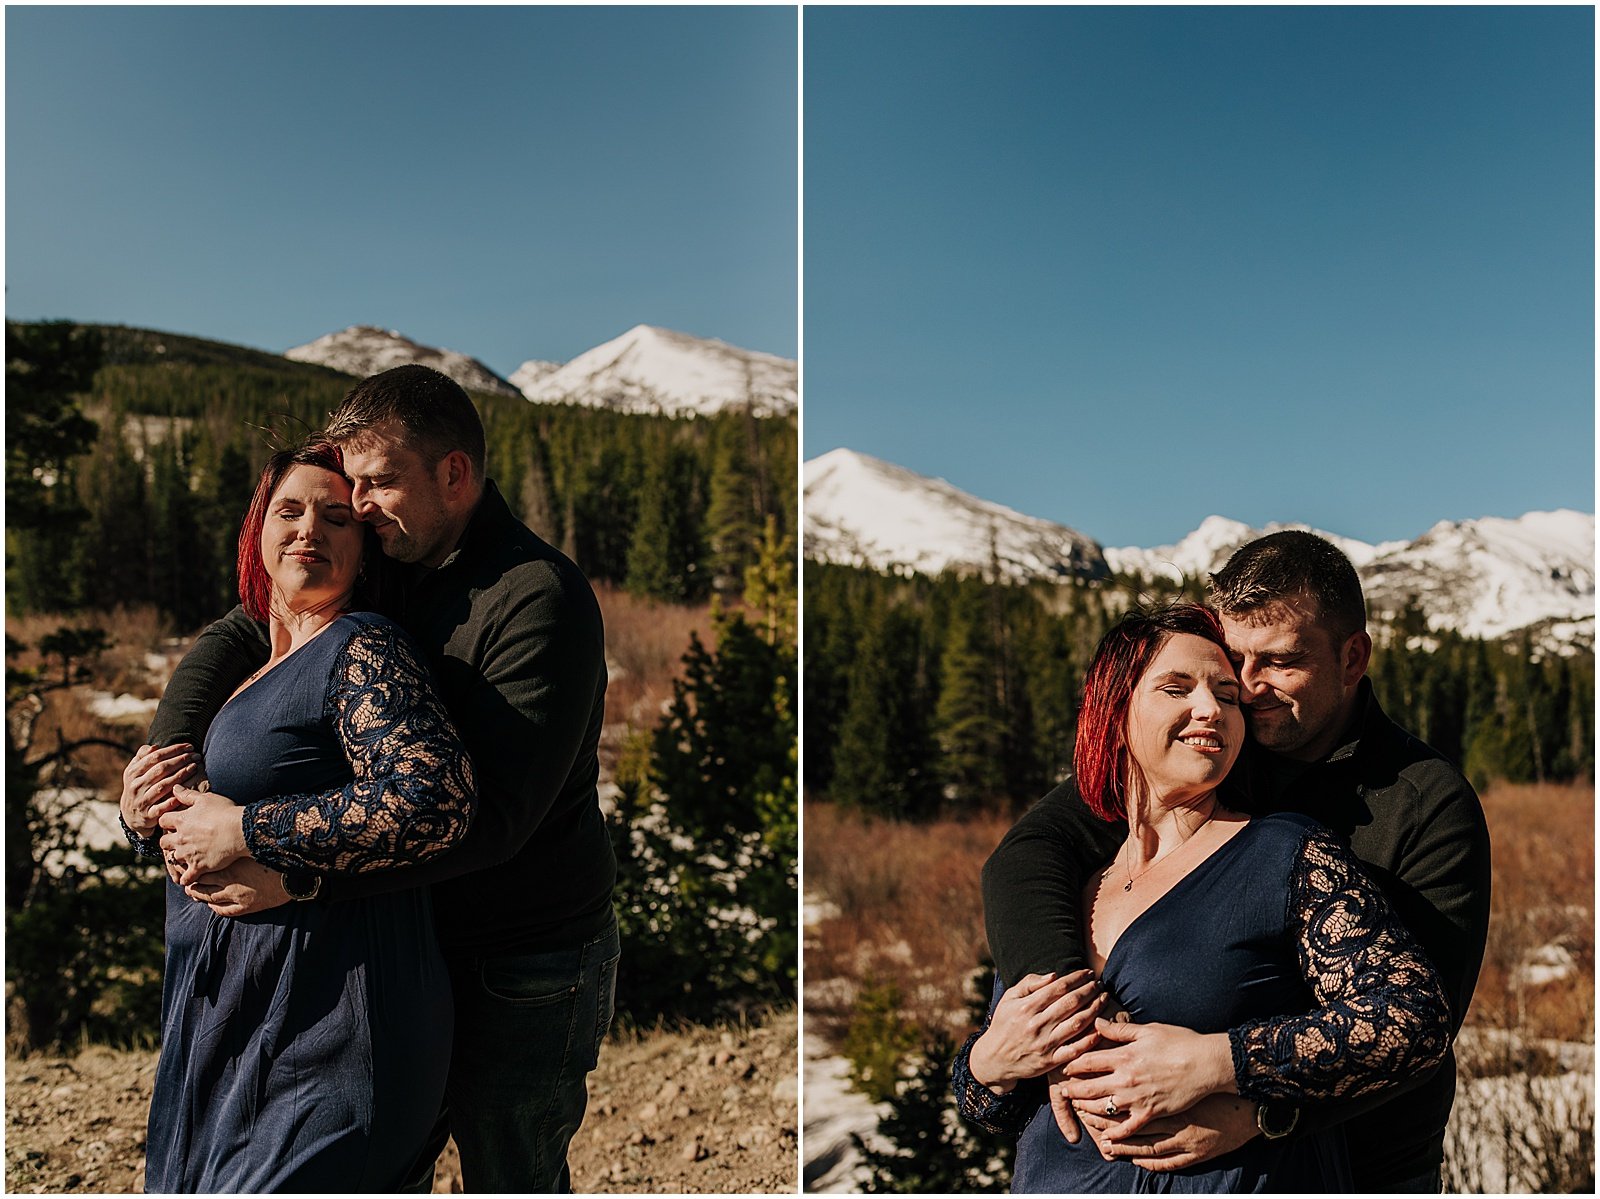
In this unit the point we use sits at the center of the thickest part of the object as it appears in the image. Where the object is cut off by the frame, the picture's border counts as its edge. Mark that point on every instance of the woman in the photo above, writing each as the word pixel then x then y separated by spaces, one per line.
pixel 1257 951
pixel 304 1048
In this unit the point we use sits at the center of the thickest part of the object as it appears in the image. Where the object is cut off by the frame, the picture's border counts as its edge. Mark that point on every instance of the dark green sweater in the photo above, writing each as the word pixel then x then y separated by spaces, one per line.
pixel 1406 813
pixel 513 636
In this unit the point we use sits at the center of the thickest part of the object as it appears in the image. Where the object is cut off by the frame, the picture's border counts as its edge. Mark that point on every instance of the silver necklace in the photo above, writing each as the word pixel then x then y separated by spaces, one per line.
pixel 1133 878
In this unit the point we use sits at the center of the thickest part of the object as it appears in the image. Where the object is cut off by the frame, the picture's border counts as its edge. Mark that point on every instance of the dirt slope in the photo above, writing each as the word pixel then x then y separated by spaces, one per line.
pixel 706 1110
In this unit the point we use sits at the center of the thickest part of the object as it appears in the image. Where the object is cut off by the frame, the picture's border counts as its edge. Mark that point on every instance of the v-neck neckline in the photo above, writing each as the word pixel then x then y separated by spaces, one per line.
pixel 265 674
pixel 1199 867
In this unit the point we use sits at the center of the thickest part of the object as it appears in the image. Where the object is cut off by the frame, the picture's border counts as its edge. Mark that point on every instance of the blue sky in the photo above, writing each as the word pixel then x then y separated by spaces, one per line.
pixel 511 183
pixel 1127 267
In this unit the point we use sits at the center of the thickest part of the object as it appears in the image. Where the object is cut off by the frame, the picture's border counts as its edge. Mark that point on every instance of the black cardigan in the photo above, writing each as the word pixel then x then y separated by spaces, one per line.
pixel 513 637
pixel 1408 815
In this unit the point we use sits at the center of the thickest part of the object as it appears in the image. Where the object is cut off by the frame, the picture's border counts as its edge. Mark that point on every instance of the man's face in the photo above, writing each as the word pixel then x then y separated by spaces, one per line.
pixel 395 491
pixel 1298 680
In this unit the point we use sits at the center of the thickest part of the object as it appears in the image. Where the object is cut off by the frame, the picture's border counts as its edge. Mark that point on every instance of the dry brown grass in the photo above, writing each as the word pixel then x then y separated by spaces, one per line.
pixel 1542 842
pixel 909 911
pixel 121 669
pixel 645 642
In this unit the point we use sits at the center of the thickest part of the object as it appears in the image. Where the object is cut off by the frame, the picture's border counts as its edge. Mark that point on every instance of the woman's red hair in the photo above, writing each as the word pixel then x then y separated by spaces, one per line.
pixel 1099 757
pixel 255 586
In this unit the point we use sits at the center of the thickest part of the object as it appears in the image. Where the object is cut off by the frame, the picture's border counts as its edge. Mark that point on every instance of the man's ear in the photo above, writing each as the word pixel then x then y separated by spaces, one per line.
pixel 456 474
pixel 1357 654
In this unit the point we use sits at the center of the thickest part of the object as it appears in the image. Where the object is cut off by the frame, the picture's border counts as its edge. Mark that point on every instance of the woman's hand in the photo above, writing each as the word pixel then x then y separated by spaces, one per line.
pixel 1042 1022
pixel 204 834
pixel 1146 1071
pixel 148 780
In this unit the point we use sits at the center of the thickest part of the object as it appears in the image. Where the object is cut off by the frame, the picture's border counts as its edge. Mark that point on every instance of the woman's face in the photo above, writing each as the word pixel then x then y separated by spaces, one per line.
pixel 311 540
pixel 1184 723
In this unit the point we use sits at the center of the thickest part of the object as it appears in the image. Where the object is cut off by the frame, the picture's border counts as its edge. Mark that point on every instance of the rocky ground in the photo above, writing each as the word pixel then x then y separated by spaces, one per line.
pixel 703 1110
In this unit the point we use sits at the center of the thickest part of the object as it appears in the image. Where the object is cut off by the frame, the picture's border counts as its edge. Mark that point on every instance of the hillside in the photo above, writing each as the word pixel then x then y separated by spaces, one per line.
pixel 695 1111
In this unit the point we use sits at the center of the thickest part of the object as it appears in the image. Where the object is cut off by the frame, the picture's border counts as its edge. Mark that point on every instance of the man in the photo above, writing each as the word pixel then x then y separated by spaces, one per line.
pixel 1292 608
pixel 523 906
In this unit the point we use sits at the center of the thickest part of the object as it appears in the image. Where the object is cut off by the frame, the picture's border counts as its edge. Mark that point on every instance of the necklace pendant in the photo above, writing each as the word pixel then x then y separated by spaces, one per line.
pixel 1128 886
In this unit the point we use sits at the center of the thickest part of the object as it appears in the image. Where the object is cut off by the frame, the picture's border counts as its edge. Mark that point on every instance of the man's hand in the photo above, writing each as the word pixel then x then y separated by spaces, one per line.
pixel 1037 1025
pixel 1216 1125
pixel 148 780
pixel 1149 1070
pixel 1056 1081
pixel 205 834
pixel 242 889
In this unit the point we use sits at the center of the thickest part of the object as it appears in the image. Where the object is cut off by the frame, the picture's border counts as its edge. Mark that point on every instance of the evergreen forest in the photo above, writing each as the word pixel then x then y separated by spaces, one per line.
pixel 139 500
pixel 933 696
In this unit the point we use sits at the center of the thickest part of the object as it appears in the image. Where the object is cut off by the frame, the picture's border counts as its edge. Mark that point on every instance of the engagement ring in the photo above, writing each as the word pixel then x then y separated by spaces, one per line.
pixel 1112 1109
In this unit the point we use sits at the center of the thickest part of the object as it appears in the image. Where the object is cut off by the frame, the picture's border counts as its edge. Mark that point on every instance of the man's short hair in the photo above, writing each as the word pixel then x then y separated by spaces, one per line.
pixel 433 409
pixel 1283 565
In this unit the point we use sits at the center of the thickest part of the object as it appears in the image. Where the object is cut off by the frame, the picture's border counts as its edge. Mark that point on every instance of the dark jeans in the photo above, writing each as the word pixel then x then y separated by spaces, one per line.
pixel 528 1031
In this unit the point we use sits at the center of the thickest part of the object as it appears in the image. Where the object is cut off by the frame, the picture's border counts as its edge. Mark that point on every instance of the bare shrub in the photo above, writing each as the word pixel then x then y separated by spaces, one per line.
pixel 906 910
pixel 1523 1121
pixel 645 643
pixel 1524 1114
pixel 1538 969
pixel 62 716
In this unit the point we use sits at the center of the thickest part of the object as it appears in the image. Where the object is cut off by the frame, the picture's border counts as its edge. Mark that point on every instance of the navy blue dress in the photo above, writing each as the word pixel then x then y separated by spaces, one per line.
pixel 305 1048
pixel 1279 940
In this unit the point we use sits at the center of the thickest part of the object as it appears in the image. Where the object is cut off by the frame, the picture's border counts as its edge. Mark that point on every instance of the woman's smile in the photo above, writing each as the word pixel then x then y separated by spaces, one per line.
pixel 1184 723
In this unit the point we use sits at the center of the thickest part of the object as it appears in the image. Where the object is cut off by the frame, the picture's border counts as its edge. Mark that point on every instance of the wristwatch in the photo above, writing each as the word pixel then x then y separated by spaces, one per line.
pixel 303 885
pixel 1276 1119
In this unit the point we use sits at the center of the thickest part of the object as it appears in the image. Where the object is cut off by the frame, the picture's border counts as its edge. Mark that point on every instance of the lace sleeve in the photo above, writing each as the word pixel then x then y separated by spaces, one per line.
pixel 1384 1016
pixel 413 792
pixel 1004 1115
pixel 145 847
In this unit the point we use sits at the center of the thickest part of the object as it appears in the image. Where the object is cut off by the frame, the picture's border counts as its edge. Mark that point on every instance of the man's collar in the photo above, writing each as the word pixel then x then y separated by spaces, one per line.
pixel 1361 722
pixel 486 520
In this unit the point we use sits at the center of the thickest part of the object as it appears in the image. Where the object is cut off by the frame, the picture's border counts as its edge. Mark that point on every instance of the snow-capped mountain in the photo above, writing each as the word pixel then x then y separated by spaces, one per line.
pixel 1210 546
pixel 650 370
pixel 530 372
pixel 1493 576
pixel 363 350
pixel 1484 578
pixel 863 511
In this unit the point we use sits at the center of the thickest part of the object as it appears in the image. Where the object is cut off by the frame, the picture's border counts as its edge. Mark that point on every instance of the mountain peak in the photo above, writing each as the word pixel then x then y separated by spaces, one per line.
pixel 861 510
pixel 1486 577
pixel 651 369
pixel 363 350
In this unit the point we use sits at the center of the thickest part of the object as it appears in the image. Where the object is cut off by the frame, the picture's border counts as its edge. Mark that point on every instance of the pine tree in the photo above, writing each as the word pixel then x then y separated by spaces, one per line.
pixel 47 366
pixel 885 753
pixel 970 730
pixel 114 563
pixel 734 513
pixel 930 1149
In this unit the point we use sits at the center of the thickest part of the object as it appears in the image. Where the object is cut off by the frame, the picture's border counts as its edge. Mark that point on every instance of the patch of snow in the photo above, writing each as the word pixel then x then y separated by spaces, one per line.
pixel 817 908
pixel 833 1112
pixel 89 821
pixel 122 709
pixel 1546 964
